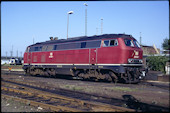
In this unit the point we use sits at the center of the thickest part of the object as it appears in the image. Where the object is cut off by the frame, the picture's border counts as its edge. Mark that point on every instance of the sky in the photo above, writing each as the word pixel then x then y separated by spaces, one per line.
pixel 25 23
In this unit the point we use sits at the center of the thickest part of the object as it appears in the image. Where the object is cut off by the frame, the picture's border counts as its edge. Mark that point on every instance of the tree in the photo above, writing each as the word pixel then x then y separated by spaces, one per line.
pixel 166 44
pixel 157 63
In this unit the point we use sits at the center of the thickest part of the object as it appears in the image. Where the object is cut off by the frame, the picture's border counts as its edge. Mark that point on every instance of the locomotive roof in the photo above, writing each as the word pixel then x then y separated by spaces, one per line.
pixel 85 38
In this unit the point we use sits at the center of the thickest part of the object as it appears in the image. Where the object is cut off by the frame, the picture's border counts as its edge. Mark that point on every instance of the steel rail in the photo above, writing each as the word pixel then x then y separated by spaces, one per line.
pixel 43 105
pixel 85 105
pixel 69 93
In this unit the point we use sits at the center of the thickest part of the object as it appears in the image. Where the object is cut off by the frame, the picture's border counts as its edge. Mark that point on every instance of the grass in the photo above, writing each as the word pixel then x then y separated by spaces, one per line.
pixel 121 89
pixel 79 88
pixel 73 87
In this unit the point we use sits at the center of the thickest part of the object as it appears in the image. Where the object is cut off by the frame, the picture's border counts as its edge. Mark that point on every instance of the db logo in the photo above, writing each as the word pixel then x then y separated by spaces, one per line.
pixel 51 55
pixel 136 54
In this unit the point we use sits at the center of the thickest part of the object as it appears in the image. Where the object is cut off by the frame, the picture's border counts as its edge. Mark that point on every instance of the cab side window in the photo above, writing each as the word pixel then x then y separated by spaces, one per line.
pixel 44 48
pixel 36 49
pixel 113 42
pixel 55 47
pixel 108 43
pixel 93 44
pixel 49 48
pixel 83 44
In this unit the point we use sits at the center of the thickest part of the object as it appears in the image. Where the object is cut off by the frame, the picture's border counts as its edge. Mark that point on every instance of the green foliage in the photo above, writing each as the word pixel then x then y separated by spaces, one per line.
pixel 166 44
pixel 157 63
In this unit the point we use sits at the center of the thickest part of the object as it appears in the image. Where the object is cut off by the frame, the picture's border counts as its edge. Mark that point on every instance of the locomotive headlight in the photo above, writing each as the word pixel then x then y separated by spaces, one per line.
pixel 130 60
pixel 140 61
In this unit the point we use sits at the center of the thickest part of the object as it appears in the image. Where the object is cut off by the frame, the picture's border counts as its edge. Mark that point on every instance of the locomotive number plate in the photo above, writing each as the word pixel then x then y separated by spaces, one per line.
pixel 59 66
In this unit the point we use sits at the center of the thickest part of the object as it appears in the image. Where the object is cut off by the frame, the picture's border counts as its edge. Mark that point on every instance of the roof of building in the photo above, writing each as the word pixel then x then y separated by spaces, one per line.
pixel 146 46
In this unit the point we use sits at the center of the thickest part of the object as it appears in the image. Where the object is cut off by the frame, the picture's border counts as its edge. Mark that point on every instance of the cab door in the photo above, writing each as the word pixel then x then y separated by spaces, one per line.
pixel 93 55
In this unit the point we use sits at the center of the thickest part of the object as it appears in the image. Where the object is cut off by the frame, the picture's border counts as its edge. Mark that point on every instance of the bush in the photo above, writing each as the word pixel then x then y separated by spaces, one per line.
pixel 157 63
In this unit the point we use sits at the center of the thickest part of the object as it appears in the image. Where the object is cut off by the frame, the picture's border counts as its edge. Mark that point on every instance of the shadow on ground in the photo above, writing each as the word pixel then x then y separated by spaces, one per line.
pixel 133 103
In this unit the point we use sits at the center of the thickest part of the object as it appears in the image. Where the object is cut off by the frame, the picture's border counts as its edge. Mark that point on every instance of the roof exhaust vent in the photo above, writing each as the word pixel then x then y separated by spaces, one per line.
pixel 51 38
pixel 55 38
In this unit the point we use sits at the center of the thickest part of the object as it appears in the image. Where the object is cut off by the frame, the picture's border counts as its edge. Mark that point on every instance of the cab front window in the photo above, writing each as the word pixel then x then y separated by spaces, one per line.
pixel 136 44
pixel 129 42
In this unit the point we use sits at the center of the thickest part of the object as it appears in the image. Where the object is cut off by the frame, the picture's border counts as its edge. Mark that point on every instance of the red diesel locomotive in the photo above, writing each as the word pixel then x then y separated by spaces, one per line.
pixel 111 57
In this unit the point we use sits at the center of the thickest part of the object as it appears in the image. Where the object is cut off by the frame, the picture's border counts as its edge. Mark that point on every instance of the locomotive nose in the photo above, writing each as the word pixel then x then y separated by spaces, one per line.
pixel 135 56
pixel 135 53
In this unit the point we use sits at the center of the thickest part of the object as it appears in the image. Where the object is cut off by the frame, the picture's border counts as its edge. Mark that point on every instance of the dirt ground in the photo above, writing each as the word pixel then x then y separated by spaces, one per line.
pixel 10 105
pixel 144 93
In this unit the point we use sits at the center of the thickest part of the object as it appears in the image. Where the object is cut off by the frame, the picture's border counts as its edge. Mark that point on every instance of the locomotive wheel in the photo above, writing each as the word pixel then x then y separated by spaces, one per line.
pixel 106 75
pixel 127 78
pixel 134 77
pixel 37 72
pixel 52 72
pixel 130 78
pixel 32 72
pixel 41 72
pixel 113 76
pixel 27 72
pixel 46 73
pixel 108 78
pixel 81 75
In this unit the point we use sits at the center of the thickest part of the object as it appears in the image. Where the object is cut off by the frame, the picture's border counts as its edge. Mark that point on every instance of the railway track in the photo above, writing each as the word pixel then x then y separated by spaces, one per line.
pixel 133 104
pixel 54 102
pixel 143 82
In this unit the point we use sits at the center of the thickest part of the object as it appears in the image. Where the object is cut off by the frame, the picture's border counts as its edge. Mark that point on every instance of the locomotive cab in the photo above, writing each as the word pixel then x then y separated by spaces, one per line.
pixel 133 60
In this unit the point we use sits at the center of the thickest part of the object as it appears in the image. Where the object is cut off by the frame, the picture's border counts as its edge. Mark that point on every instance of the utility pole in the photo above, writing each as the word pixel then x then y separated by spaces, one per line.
pixel 140 39
pixel 85 19
pixel 70 12
pixel 33 40
pixel 12 52
pixel 17 53
pixel 6 54
pixel 96 31
pixel 21 54
pixel 101 26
